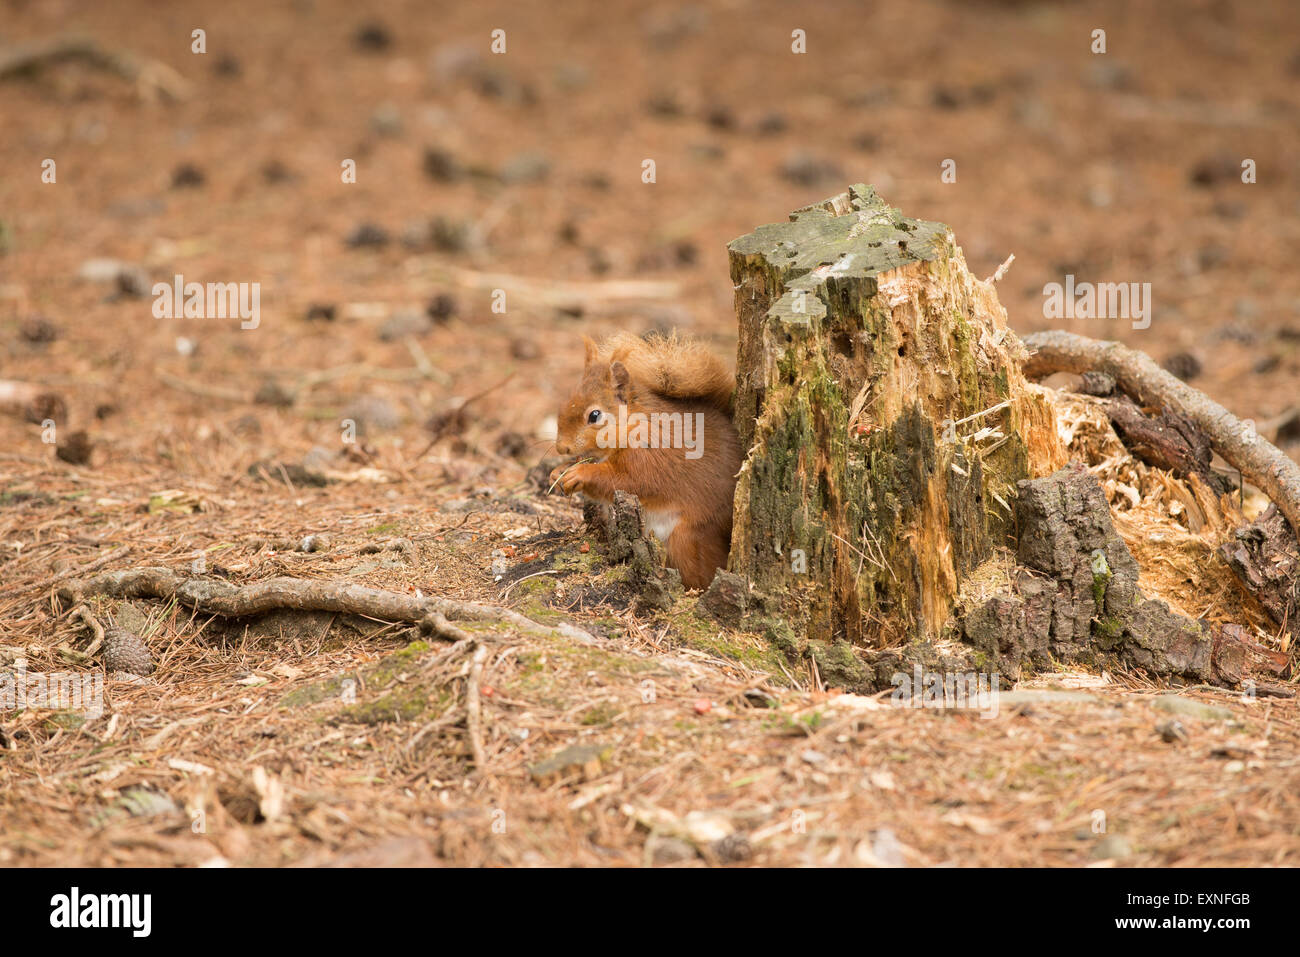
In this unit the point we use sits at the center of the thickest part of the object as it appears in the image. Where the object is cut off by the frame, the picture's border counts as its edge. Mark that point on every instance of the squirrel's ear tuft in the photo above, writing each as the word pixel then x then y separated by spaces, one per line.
pixel 590 345
pixel 622 380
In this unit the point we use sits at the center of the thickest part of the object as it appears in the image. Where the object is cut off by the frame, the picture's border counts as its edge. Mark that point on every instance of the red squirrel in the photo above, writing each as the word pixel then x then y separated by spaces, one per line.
pixel 655 415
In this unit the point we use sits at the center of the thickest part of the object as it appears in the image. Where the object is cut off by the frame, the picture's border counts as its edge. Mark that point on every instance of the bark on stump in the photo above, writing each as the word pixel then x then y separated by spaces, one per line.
pixel 880 395
pixel 1266 559
pixel 1074 596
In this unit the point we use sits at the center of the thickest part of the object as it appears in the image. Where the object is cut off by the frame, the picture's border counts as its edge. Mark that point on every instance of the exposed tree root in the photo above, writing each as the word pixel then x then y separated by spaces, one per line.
pixel 237 601
pixel 1138 375
pixel 81 657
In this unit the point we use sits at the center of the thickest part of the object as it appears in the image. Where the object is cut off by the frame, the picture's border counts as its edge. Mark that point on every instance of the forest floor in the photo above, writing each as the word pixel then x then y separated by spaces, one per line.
pixel 308 739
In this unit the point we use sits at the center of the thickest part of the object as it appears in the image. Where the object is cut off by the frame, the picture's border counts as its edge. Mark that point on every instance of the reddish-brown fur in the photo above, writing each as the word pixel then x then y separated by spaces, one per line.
pixel 659 375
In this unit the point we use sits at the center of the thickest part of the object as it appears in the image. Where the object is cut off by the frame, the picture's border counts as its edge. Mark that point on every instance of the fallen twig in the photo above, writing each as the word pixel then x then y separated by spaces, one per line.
pixel 424 363
pixel 474 708
pixel 203 389
pixel 1137 374
pixel 455 420
pixel 510 587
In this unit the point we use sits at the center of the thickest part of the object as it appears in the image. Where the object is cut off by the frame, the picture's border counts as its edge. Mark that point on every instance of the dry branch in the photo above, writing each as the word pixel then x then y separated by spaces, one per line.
pixel 203 389
pixel 474 708
pixel 1138 375
pixel 228 600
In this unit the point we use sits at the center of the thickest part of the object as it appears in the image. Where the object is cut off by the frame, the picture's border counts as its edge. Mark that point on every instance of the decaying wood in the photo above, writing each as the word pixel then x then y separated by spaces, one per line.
pixel 880 394
pixel 228 600
pixel 1239 660
pixel 150 77
pixel 1266 560
pixel 1137 374
pixel 1169 441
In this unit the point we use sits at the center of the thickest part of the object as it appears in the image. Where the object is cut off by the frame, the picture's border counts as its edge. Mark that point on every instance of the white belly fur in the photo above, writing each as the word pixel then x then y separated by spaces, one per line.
pixel 661 523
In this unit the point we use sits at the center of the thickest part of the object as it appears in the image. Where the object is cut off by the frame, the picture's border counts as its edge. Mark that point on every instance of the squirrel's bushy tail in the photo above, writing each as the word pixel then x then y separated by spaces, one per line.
pixel 672 366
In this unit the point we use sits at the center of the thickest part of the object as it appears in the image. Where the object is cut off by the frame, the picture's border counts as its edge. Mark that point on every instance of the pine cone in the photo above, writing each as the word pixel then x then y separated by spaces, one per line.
pixel 124 651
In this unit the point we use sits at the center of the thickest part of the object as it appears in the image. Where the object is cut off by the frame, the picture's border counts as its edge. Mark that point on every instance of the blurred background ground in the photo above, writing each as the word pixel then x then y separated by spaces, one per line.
pixel 376 307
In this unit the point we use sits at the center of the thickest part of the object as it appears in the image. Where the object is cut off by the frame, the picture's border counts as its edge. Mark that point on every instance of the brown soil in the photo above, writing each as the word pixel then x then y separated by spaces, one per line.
pixel 243 748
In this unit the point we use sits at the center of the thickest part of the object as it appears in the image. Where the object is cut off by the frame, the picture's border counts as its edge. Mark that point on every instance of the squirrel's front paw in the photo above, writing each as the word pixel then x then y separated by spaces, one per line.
pixel 568 479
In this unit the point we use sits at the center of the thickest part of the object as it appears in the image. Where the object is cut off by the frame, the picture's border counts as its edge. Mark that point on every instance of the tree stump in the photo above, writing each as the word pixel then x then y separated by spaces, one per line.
pixel 880 396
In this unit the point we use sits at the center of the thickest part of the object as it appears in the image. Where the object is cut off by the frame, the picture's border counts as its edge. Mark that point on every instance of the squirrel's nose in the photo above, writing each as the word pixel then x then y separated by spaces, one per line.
pixel 563 448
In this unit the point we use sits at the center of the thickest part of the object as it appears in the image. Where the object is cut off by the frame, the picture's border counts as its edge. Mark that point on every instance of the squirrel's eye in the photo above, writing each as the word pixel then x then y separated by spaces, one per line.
pixel 593 416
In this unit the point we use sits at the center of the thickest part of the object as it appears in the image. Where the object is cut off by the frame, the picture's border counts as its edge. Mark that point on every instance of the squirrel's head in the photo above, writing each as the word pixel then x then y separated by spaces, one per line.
pixel 593 406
